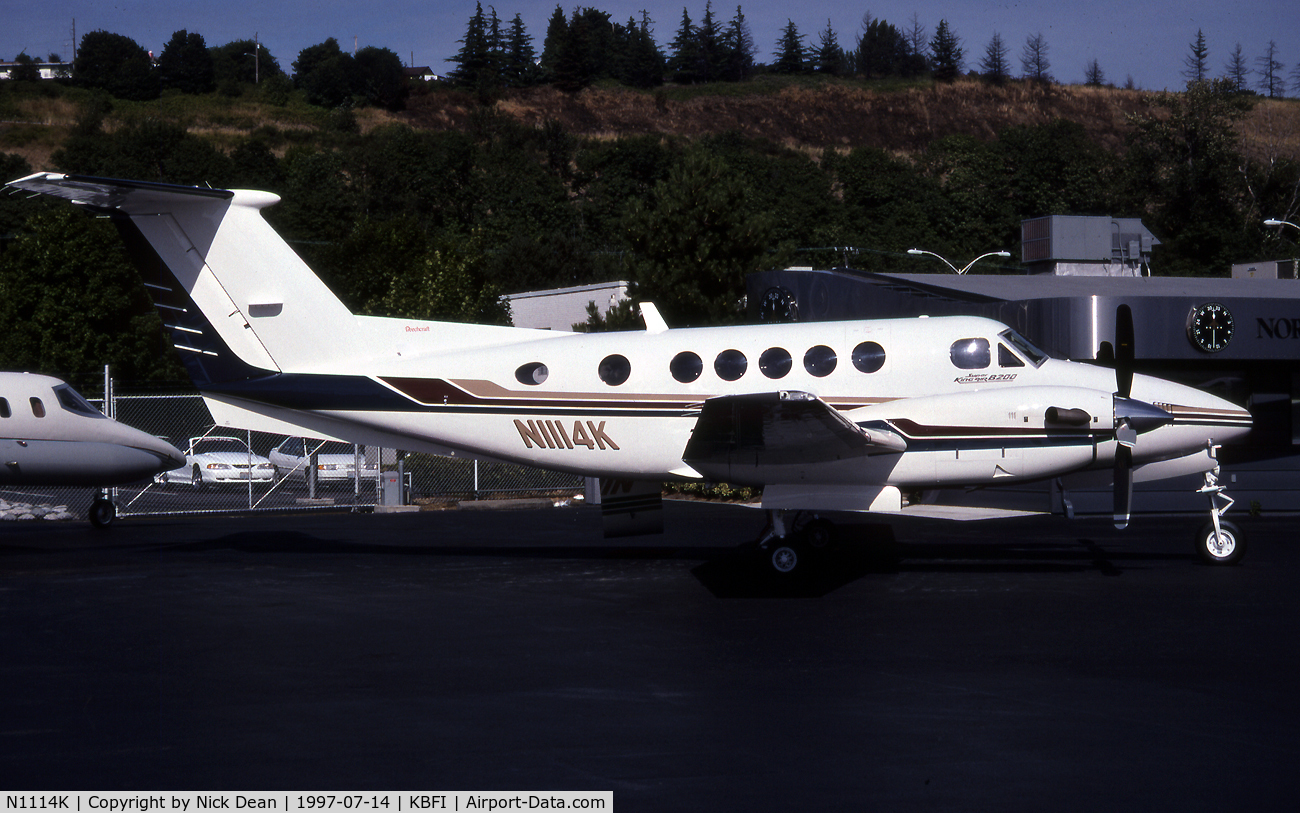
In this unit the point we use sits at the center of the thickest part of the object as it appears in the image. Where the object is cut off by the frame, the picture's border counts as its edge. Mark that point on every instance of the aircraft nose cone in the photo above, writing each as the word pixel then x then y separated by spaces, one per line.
pixel 1139 415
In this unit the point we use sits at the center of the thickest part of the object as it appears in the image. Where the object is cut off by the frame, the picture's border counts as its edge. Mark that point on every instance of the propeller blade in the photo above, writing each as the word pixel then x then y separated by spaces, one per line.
pixel 1123 485
pixel 1124 350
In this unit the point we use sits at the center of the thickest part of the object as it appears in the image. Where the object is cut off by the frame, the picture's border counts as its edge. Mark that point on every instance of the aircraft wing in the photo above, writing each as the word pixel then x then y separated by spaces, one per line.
pixel 779 428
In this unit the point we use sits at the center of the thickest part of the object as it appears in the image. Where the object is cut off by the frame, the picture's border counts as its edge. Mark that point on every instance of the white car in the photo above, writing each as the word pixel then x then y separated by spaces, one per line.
pixel 216 460
pixel 335 462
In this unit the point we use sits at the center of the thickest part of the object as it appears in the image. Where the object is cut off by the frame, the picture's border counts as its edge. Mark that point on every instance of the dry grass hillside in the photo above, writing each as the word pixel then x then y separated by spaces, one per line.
pixel 844 116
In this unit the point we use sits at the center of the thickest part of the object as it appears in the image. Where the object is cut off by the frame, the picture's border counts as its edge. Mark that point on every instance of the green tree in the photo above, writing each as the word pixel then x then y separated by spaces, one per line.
pixel 185 64
pixel 994 67
pixel 695 240
pixel 474 61
pixel 790 56
pixel 448 284
pixel 71 302
pixel 557 31
pixel 828 58
pixel 1236 71
pixel 25 69
pixel 117 65
pixel 946 53
pixel 1194 64
pixel 684 53
pixel 243 62
pixel 325 74
pixel 738 49
pixel 881 50
pixel 520 69
pixel 379 78
pixel 1181 174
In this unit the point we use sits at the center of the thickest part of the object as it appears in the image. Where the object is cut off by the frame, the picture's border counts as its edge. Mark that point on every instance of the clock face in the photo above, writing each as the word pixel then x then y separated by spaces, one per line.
pixel 1210 327
pixel 778 305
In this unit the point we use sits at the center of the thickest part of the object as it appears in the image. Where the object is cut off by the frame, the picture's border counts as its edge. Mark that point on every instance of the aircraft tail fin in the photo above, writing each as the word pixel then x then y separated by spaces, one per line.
pixel 238 301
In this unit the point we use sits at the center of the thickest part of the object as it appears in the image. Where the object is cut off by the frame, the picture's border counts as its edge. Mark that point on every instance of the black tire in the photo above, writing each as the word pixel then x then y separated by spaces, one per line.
pixel 196 479
pixel 1225 551
pixel 101 513
pixel 819 533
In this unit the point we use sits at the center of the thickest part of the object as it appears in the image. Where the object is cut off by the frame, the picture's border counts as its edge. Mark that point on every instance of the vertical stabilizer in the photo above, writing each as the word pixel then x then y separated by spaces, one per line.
pixel 258 300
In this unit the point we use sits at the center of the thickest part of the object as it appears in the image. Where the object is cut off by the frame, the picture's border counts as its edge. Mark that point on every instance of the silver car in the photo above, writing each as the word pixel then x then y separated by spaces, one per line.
pixel 335 462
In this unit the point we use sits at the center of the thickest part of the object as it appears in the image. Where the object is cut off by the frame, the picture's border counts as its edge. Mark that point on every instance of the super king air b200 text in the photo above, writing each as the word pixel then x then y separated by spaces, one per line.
pixel 827 416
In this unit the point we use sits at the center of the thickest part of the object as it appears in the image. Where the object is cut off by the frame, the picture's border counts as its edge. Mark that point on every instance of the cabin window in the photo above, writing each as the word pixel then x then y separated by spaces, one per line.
pixel 4 408
pixel 1006 358
pixel 819 360
pixel 614 370
pixel 38 408
pixel 72 401
pixel 775 362
pixel 686 366
pixel 868 357
pixel 532 373
pixel 970 354
pixel 730 365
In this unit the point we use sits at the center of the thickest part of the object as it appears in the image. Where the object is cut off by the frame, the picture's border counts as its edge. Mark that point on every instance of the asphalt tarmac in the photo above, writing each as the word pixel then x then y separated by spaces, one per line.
pixel 1033 664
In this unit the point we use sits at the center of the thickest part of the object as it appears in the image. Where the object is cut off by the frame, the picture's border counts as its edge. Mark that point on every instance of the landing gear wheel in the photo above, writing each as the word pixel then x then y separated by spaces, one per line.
pixel 1227 549
pixel 784 558
pixel 819 533
pixel 102 512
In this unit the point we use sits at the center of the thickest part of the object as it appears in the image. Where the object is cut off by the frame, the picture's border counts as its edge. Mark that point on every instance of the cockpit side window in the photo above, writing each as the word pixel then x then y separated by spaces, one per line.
pixel 970 354
pixel 72 401
pixel 1006 358
pixel 4 408
pixel 1024 347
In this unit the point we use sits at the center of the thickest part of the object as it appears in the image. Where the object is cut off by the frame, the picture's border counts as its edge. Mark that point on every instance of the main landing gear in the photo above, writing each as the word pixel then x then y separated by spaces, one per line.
pixel 102 512
pixel 1219 542
pixel 791 539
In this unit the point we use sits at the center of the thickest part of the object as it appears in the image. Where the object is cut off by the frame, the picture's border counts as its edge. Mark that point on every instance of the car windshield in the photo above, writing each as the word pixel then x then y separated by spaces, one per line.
pixel 210 445
pixel 1025 347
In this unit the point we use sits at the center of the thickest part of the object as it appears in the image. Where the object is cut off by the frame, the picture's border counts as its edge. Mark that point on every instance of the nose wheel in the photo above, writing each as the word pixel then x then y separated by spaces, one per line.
pixel 102 512
pixel 1219 542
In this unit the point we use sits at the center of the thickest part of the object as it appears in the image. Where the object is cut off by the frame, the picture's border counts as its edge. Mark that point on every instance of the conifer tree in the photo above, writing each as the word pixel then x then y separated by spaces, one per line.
pixel 994 66
pixel 1237 73
pixel 829 56
pixel 946 53
pixel 789 50
pixel 738 47
pixel 684 54
pixel 1195 70
pixel 1033 59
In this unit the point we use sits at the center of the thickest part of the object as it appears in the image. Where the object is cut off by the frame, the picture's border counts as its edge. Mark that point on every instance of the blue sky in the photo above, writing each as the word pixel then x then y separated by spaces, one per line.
pixel 1145 41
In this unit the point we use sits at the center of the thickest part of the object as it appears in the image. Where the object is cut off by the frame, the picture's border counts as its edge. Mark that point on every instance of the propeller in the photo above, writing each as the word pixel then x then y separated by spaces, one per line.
pixel 1131 416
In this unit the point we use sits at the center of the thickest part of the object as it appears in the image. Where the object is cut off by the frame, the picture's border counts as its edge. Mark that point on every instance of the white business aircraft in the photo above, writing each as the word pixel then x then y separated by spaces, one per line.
pixel 823 416
pixel 51 436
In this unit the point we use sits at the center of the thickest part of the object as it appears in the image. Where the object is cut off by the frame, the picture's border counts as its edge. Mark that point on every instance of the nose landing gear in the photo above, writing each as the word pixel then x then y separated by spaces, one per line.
pixel 1219 542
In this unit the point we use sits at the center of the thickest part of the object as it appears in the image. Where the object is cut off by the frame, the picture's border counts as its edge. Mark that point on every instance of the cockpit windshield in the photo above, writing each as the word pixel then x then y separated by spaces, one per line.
pixel 1024 347
pixel 72 401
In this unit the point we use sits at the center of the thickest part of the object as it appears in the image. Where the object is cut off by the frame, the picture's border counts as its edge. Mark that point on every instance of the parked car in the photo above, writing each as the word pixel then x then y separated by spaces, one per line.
pixel 214 460
pixel 336 462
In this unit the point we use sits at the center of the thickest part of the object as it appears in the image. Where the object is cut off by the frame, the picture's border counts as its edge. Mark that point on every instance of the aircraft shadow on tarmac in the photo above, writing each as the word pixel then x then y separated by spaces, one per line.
pixel 742 571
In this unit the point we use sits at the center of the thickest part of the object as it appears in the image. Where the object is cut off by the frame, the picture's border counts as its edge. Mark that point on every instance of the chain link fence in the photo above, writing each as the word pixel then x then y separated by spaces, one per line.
pixel 239 470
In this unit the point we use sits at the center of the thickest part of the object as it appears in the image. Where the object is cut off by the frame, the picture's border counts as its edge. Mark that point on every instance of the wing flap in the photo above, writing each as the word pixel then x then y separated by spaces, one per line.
pixel 779 428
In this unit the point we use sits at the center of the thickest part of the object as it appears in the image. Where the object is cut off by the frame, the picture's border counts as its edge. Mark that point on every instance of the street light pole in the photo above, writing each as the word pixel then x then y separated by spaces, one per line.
pixel 919 251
